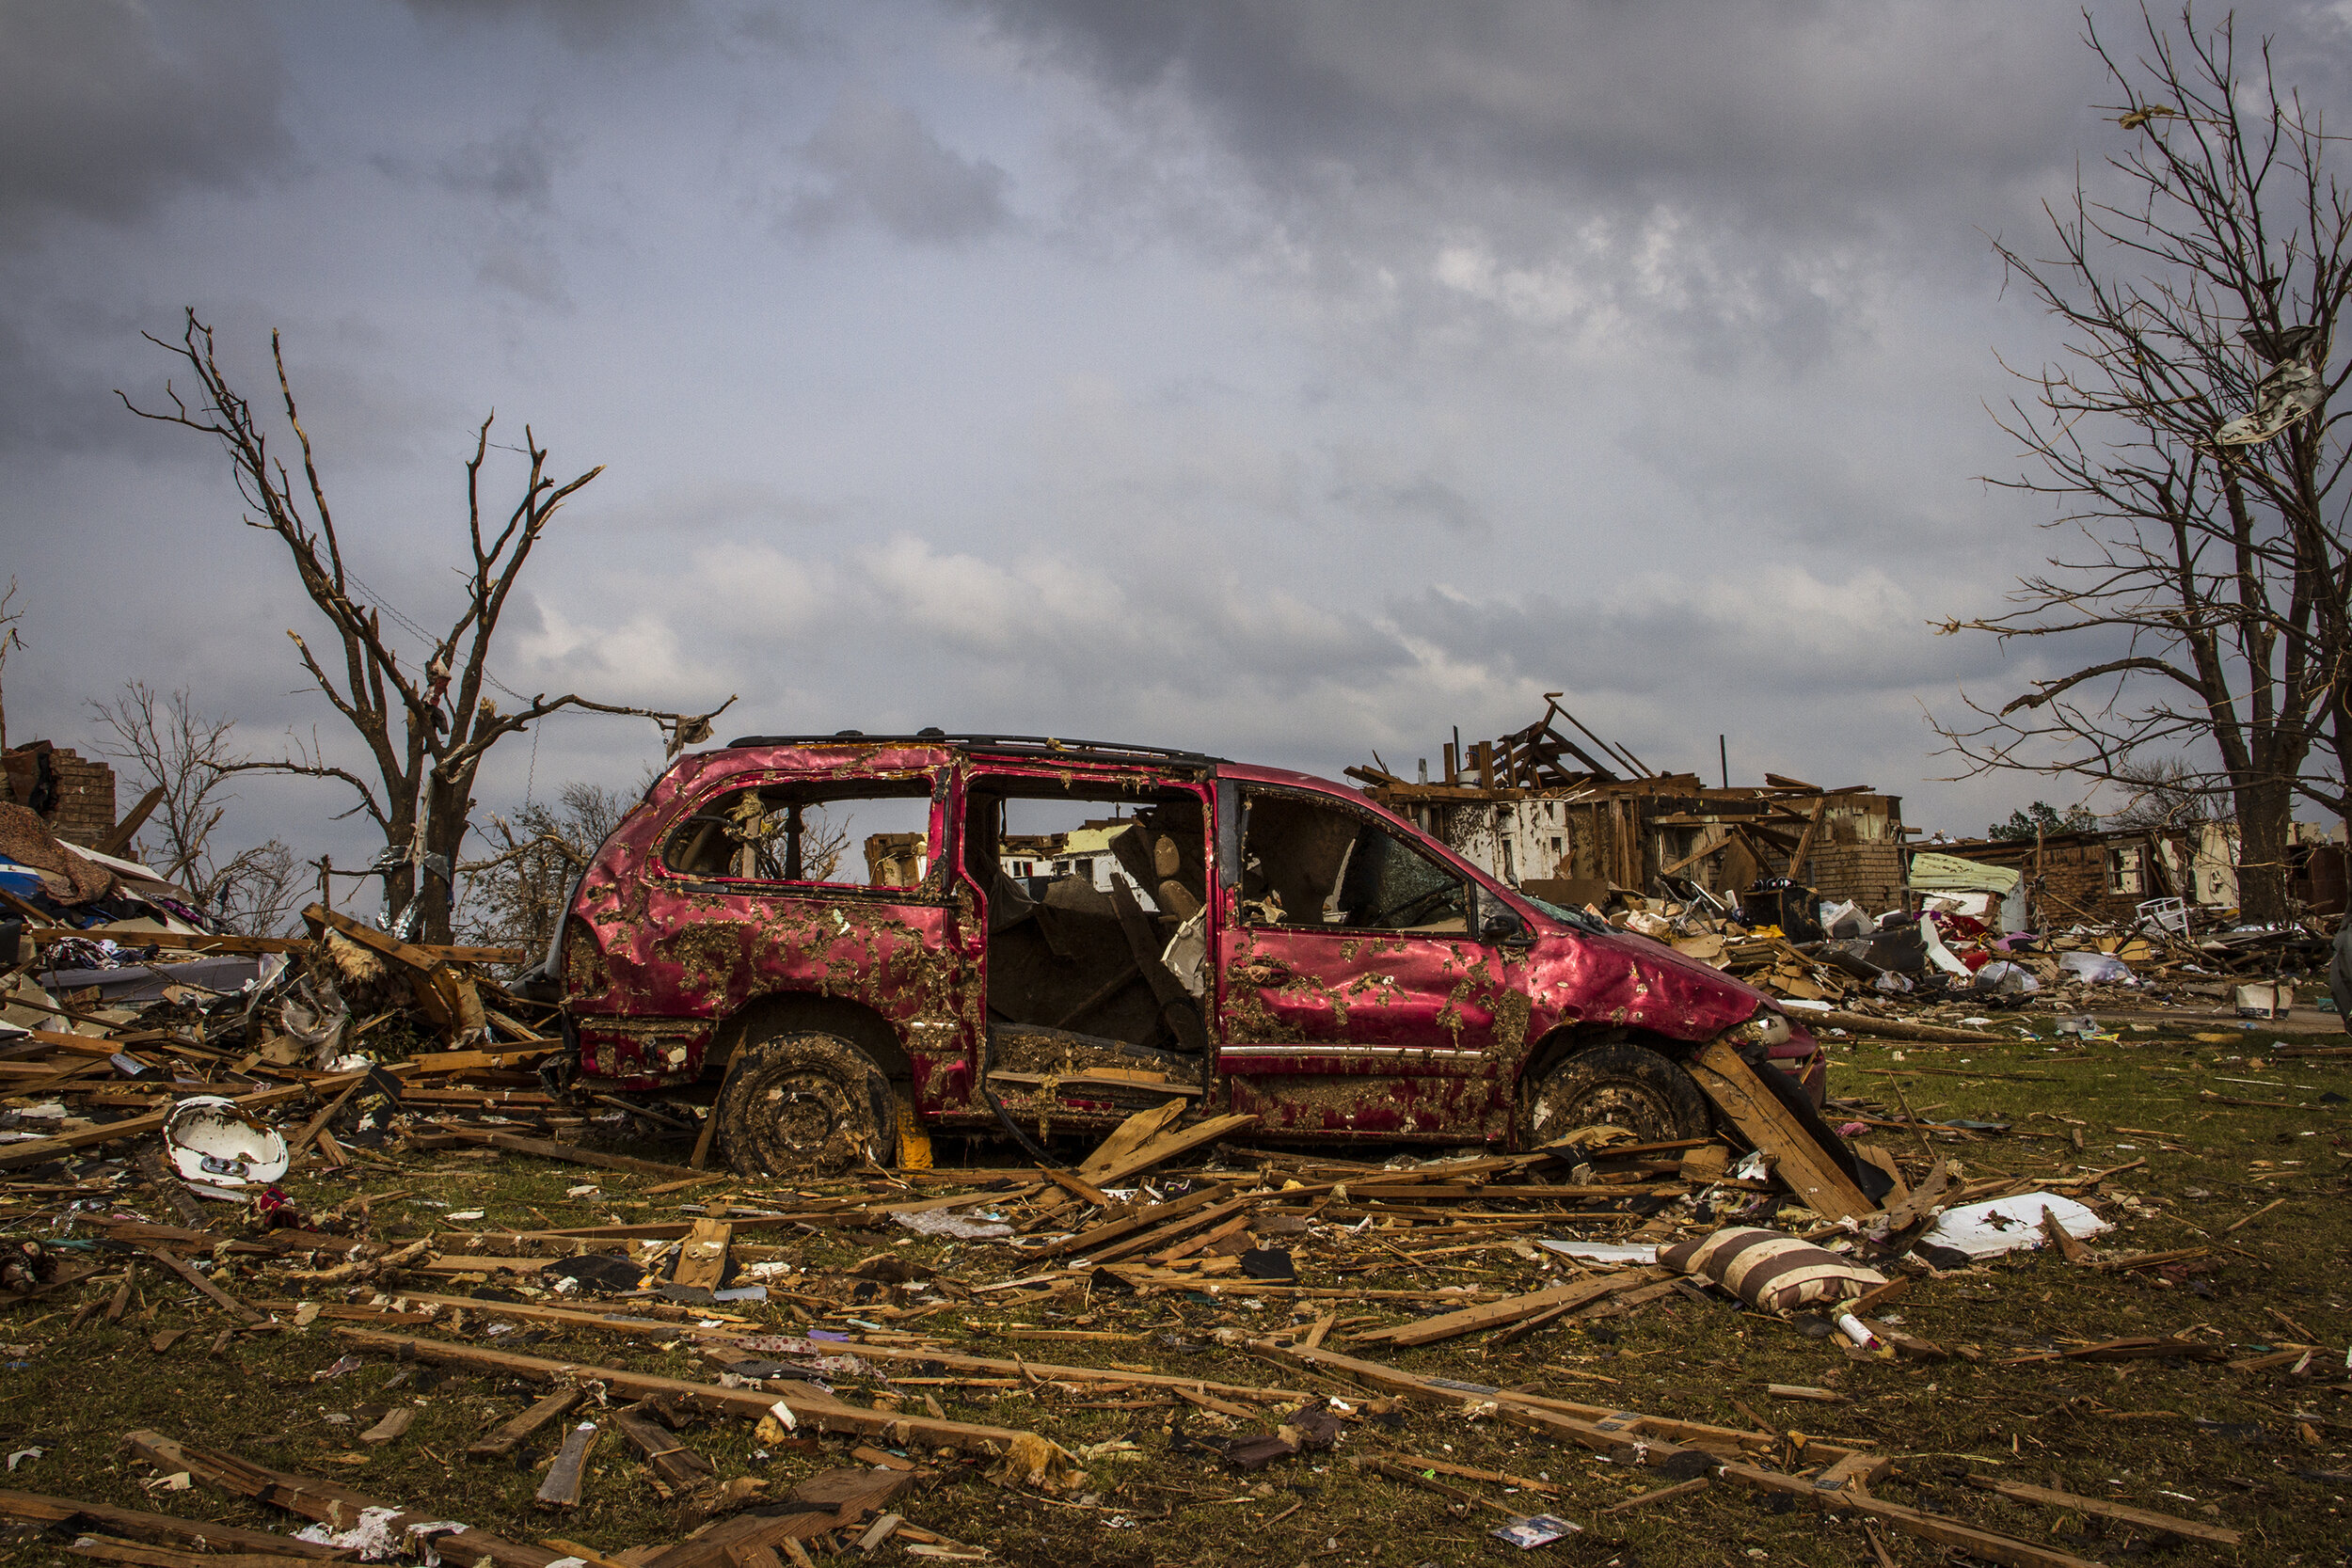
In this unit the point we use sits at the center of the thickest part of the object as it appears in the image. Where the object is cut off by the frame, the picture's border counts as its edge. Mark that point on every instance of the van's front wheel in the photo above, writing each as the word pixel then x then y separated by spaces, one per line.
pixel 805 1102
pixel 1619 1084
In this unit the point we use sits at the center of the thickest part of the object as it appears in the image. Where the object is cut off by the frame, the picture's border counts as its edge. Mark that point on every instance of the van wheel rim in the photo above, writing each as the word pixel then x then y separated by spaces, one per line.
pixel 1632 1106
pixel 811 1115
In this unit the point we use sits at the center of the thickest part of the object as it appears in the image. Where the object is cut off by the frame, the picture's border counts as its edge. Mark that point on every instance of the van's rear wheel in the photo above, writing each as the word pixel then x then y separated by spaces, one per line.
pixel 805 1102
pixel 1619 1084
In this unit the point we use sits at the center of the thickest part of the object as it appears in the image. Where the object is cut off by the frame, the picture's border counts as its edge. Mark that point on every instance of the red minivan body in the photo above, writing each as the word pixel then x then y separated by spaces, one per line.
pixel 1268 943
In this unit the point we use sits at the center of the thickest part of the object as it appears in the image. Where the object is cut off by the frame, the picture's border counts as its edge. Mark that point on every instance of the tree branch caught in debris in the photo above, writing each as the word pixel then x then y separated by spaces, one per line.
pixel 427 727
pixel 2184 439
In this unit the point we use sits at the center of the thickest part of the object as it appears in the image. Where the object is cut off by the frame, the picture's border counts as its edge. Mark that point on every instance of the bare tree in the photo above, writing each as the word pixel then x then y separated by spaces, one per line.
pixel 425 729
pixel 2183 436
pixel 2168 795
pixel 171 747
pixel 513 897
pixel 8 638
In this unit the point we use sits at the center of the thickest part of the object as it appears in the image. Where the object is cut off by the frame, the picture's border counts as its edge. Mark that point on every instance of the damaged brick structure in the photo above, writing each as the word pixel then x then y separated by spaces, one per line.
pixel 74 795
pixel 1570 819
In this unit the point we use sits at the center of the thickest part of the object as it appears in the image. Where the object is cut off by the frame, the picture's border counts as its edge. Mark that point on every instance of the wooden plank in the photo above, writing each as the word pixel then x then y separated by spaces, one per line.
pixel 560 1487
pixel 2004 1549
pixel 1142 1219
pixel 1074 1083
pixel 337 1506
pixel 33 1508
pixel 1502 1314
pixel 1075 1188
pixel 510 1434
pixel 1167 1146
pixel 1623 1426
pixel 679 1468
pixel 701 1259
pixel 97 1548
pixel 1798 1161
pixel 1130 1135
pixel 204 1287
pixel 811 1410
pixel 2188 1530
pixel 1160 1236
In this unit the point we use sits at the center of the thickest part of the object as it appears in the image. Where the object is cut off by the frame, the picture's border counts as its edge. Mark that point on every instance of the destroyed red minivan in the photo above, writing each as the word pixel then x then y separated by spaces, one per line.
pixel 852 941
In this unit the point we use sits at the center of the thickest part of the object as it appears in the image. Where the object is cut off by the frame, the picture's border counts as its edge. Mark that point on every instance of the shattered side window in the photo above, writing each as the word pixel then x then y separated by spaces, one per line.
pixel 869 833
pixel 1304 862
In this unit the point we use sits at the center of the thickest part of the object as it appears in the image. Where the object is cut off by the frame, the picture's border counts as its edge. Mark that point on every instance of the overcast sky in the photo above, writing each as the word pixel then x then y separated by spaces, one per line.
pixel 1292 379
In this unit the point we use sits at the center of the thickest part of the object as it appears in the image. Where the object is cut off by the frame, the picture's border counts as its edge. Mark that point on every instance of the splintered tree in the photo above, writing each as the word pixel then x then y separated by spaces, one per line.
pixel 2200 611
pixel 425 727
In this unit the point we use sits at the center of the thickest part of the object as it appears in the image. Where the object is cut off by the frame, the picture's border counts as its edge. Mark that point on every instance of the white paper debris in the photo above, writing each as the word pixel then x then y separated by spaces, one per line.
pixel 2011 1224
pixel 1605 1252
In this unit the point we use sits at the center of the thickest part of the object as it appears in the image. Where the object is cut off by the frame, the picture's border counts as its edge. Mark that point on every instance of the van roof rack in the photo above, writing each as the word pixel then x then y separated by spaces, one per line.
pixel 1018 745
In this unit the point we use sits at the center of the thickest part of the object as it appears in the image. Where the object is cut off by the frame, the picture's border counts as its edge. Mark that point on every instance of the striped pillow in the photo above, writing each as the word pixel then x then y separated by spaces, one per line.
pixel 1771 1272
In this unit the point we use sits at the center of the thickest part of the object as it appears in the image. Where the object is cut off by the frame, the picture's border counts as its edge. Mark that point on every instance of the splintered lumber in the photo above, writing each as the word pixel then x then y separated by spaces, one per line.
pixel 1503 1314
pixel 204 1287
pixel 1085 1242
pixel 952 1362
pixel 825 1502
pixel 34 1151
pixel 100 1548
pixel 509 1435
pixel 679 1468
pixel 702 1259
pixel 2148 1519
pixel 1767 1125
pixel 809 1410
pixel 1158 1237
pixel 317 1124
pixel 2061 1238
pixel 1663 1493
pixel 560 1488
pixel 1166 1147
pixel 32 1508
pixel 336 1506
pixel 1935 1528
pixel 1597 1426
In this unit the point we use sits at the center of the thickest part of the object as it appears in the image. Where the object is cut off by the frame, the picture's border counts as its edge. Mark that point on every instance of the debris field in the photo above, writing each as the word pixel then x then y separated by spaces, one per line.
pixel 409 1304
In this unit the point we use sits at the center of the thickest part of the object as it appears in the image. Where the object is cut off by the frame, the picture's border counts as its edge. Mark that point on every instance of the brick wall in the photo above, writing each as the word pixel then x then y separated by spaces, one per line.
pixel 84 810
pixel 1871 874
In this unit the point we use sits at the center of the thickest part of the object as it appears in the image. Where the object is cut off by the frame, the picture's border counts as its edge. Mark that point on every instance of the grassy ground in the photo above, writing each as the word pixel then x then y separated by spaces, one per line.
pixel 2250 1449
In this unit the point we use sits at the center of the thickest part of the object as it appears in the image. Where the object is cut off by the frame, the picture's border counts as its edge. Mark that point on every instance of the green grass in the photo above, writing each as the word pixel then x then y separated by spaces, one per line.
pixel 2189 1446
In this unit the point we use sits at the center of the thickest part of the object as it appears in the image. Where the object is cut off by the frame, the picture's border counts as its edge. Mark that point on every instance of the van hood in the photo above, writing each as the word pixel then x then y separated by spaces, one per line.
pixel 1620 978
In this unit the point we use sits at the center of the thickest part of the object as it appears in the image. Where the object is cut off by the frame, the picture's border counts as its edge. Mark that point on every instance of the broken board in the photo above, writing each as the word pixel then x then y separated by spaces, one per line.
pixel 1748 1103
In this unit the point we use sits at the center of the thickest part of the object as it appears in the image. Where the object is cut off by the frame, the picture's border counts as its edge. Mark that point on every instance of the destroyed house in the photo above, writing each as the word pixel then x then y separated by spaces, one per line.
pixel 2105 876
pixel 1550 816
pixel 2093 879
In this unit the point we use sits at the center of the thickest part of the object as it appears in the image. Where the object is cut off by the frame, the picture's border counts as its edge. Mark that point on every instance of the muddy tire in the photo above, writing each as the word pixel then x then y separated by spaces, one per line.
pixel 1618 1083
pixel 806 1102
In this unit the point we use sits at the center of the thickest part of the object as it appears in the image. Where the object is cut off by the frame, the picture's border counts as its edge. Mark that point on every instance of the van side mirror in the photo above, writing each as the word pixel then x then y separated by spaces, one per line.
pixel 1501 926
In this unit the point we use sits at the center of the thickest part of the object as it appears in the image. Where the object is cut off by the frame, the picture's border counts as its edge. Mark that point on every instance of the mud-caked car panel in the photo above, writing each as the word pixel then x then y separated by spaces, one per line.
pixel 1250 939
pixel 745 880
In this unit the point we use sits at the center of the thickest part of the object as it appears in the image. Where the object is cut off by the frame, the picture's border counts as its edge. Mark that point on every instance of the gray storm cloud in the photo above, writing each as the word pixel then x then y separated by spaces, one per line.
pixel 1289 380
